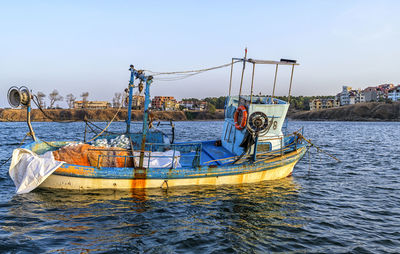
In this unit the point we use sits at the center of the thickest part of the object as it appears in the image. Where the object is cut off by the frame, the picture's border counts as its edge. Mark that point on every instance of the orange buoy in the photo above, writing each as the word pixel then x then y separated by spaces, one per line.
pixel 241 110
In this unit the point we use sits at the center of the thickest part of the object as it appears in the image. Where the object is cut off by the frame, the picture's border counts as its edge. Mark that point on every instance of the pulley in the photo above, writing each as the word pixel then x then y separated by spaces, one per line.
pixel 18 96
pixel 258 122
pixel 140 86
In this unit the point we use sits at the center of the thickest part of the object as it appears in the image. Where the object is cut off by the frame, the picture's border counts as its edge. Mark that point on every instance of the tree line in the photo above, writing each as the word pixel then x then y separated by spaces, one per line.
pixel 55 96
pixel 213 103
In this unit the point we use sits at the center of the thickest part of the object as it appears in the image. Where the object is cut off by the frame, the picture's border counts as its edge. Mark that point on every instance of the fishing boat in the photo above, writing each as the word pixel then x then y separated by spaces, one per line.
pixel 254 146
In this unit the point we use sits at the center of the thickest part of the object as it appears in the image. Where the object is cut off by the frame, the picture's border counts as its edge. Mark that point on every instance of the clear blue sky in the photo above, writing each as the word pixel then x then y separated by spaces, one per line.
pixel 78 46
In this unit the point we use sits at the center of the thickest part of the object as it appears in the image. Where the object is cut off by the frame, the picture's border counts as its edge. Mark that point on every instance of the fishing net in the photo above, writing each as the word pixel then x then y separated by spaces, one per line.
pixel 87 155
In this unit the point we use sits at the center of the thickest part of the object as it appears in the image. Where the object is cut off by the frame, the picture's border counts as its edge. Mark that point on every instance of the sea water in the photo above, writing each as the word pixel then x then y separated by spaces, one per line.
pixel 328 207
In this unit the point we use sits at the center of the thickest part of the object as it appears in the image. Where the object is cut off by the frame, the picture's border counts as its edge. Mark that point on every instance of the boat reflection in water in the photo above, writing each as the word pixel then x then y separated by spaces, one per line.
pixel 137 219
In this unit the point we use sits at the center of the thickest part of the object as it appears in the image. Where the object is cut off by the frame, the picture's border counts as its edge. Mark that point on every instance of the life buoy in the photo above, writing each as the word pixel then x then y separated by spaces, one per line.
pixel 241 110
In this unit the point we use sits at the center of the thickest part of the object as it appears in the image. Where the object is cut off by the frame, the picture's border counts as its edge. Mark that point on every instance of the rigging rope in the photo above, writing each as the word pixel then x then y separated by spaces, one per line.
pixel 108 125
pixel 85 120
pixel 185 74
pixel 179 75
pixel 46 115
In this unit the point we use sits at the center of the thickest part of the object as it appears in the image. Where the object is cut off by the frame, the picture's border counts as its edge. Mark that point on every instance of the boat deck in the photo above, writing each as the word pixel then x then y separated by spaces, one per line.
pixel 211 154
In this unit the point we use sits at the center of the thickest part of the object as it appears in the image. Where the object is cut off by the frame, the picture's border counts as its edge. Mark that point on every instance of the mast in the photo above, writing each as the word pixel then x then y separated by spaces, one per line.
pixel 241 79
pixel 145 128
pixel 148 79
pixel 131 86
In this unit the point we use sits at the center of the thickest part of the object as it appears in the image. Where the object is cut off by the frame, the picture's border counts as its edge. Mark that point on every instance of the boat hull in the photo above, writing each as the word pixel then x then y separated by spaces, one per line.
pixel 272 169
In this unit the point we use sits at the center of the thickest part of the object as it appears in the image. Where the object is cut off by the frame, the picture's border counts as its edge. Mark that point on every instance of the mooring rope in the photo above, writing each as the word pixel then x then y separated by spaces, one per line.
pixel 20 143
pixel 316 147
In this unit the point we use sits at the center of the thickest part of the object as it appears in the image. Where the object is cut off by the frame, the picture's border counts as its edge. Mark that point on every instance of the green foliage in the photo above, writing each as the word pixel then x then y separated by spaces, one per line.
pixel 189 115
pixel 211 108
pixel 219 102
pixel 191 99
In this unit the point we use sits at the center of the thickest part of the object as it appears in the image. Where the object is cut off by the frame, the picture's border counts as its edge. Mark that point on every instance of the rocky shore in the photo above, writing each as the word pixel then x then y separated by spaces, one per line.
pixel 372 111
pixel 19 115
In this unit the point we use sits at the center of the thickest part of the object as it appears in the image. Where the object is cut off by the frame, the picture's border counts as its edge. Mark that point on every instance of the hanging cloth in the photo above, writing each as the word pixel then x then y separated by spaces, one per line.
pixel 28 170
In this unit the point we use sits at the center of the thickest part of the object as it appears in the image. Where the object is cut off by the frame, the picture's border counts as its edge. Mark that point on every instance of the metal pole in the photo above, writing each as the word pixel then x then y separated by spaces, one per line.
pixel 28 121
pixel 145 117
pixel 252 82
pixel 255 149
pixel 276 74
pixel 131 86
pixel 84 137
pixel 290 86
pixel 230 81
pixel 241 79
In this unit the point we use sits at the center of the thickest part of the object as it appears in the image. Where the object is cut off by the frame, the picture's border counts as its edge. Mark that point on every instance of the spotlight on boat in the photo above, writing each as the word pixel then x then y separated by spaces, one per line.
pixel 18 96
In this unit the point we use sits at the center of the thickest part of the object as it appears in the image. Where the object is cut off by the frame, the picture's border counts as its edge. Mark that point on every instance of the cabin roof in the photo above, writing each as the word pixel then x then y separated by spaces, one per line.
pixel 258 61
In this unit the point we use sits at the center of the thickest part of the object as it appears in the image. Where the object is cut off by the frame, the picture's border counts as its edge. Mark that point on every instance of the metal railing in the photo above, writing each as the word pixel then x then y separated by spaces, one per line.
pixel 284 148
pixel 180 151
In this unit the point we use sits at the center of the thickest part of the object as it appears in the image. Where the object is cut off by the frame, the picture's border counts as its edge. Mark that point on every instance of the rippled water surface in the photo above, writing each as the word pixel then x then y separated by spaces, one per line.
pixel 328 207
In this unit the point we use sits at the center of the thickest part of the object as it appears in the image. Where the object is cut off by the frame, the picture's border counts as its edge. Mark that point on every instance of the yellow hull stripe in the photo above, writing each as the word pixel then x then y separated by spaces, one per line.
pixel 76 183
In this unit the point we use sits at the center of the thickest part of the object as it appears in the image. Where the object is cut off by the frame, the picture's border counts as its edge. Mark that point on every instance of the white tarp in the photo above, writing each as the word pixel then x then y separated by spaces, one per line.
pixel 159 159
pixel 28 170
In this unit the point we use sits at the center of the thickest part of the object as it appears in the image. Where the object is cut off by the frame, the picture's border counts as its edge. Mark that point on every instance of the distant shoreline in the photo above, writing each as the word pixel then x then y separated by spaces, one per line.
pixel 104 115
pixel 368 112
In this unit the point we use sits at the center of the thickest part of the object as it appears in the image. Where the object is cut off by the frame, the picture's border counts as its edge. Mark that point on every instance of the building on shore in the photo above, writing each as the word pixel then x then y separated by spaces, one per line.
pixel 394 93
pixel 370 94
pixel 164 103
pixel 348 96
pixel 359 96
pixel 137 102
pixel 193 105
pixel 345 97
pixel 318 104
pixel 187 105
pixel 383 91
pixel 170 105
pixel 92 104
pixel 202 105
